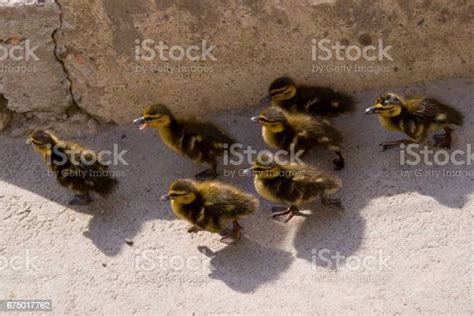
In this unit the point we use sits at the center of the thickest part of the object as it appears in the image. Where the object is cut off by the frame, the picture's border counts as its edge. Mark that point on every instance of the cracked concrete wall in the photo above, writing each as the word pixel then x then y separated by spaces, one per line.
pixel 254 41
pixel 32 80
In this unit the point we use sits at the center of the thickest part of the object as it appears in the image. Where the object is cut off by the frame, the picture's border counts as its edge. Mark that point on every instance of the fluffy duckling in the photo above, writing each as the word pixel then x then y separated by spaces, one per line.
pixel 200 141
pixel 320 101
pixel 293 184
pixel 416 117
pixel 210 206
pixel 75 167
pixel 285 130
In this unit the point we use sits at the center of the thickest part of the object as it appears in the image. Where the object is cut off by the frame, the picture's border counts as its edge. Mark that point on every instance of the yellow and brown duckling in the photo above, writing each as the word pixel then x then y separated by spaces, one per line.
pixel 76 168
pixel 293 184
pixel 284 92
pixel 285 130
pixel 210 206
pixel 200 141
pixel 416 117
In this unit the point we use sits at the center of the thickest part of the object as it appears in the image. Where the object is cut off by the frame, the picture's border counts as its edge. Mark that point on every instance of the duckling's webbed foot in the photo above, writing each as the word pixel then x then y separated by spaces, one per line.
pixel 339 161
pixel 207 174
pixel 444 140
pixel 193 229
pixel 234 235
pixel 396 143
pixel 285 215
pixel 331 203
pixel 80 200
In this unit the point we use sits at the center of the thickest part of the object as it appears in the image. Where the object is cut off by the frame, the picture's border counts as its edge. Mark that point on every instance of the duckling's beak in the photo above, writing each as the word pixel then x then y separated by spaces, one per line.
pixel 29 140
pixel 265 100
pixel 248 171
pixel 255 119
pixel 371 110
pixel 165 198
pixel 140 122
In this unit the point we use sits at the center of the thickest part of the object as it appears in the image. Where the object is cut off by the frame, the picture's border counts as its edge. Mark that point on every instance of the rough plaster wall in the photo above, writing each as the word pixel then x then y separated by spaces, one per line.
pixel 255 42
pixel 38 86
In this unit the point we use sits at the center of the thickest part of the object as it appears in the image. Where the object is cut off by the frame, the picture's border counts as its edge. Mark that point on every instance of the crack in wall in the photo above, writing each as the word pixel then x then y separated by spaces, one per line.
pixel 74 107
pixel 5 113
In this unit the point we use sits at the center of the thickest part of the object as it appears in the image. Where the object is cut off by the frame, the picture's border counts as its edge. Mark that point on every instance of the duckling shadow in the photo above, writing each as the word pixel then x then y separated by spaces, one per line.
pixel 247 265
pixel 116 218
pixel 328 236
pixel 113 226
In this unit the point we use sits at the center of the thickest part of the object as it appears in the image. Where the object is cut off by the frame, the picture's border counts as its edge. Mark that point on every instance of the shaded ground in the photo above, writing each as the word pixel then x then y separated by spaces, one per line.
pixel 414 234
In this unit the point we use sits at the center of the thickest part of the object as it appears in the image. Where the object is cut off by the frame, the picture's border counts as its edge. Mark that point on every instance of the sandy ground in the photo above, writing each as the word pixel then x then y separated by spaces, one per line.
pixel 403 244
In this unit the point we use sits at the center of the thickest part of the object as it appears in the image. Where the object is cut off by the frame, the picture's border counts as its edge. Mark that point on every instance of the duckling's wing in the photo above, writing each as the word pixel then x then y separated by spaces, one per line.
pixel 324 101
pixel 316 129
pixel 309 174
pixel 434 110
pixel 204 137
pixel 91 170
pixel 303 173
pixel 312 181
pixel 223 200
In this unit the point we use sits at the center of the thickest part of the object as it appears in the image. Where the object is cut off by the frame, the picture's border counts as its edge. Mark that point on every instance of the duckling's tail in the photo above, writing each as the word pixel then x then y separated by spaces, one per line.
pixel 104 184
pixel 444 113
pixel 330 184
pixel 245 203
pixel 344 103
pixel 455 117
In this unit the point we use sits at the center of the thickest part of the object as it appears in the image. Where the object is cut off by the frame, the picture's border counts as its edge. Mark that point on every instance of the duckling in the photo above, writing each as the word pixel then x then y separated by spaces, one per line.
pixel 75 167
pixel 200 141
pixel 210 205
pixel 296 131
pixel 416 117
pixel 317 101
pixel 293 184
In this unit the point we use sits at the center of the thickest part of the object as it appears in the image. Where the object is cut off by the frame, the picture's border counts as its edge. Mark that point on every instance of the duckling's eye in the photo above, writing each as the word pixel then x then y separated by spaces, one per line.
pixel 387 101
